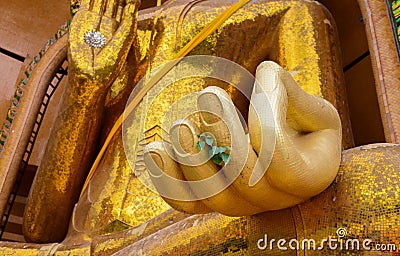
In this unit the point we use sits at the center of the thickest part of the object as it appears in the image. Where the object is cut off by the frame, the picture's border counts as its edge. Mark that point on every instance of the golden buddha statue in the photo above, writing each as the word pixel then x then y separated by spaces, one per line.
pixel 290 46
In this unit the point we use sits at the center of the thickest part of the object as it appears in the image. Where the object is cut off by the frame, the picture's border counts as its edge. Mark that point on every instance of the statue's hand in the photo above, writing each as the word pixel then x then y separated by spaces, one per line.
pixel 304 162
pixel 116 23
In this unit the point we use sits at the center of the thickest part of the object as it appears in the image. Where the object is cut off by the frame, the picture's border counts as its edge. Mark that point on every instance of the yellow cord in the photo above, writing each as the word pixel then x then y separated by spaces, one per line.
pixel 208 30
pixel 159 2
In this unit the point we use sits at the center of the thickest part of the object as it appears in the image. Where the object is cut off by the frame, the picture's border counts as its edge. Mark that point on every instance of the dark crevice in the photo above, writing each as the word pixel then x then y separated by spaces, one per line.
pixel 12 55
pixel 356 61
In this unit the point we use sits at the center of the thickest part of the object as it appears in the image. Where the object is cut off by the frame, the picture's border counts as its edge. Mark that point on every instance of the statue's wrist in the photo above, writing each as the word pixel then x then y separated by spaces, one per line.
pixel 89 87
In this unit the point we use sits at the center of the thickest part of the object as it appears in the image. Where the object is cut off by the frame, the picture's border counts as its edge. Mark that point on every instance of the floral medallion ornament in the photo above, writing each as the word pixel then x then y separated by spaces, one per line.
pixel 95 39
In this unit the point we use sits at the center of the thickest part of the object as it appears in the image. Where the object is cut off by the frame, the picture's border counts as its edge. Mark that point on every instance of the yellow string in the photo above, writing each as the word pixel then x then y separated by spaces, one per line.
pixel 208 30
pixel 159 2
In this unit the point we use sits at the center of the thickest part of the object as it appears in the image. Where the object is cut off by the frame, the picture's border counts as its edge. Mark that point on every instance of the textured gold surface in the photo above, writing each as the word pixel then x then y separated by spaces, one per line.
pixel 292 40
pixel 364 199
pixel 261 30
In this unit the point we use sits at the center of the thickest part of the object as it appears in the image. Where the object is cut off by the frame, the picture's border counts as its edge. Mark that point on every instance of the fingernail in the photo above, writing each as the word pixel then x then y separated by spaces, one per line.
pixel 182 138
pixel 211 107
pixel 267 76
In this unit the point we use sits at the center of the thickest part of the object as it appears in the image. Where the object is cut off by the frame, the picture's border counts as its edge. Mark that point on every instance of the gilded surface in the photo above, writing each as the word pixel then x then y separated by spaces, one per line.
pixel 261 30
pixel 363 200
pixel 115 200
pixel 74 136
pixel 218 43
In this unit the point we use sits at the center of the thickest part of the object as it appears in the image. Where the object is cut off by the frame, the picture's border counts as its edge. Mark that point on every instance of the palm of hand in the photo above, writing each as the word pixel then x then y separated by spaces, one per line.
pixel 101 65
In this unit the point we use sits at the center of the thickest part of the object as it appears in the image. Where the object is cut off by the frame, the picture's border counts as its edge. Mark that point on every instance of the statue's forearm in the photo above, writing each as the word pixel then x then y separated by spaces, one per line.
pixel 75 132
pixel 65 163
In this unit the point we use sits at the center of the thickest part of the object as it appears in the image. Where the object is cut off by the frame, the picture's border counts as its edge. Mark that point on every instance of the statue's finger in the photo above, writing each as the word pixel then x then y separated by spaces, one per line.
pixel 115 52
pixel 130 8
pixel 98 6
pixel 112 8
pixel 309 113
pixel 207 182
pixel 163 170
pixel 267 113
pixel 84 4
pixel 302 111
pixel 120 10
pixel 221 119
pixel 306 155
